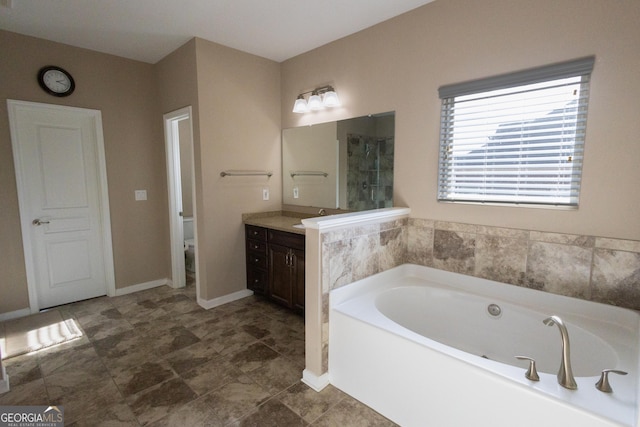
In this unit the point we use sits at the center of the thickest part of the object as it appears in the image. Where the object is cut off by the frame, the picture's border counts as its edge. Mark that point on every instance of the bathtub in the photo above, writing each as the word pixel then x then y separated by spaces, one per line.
pixel 421 347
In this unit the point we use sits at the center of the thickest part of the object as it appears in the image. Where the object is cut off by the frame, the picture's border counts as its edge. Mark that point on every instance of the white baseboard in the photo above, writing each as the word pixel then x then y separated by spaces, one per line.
pixel 122 291
pixel 211 303
pixel 142 286
pixel 317 383
pixel 14 314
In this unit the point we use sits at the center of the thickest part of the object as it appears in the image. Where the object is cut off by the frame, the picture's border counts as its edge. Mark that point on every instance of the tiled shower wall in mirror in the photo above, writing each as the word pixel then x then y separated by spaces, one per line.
pixel 370 172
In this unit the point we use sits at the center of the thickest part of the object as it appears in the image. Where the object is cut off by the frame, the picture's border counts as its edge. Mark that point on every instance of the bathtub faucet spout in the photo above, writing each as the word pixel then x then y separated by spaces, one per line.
pixel 565 375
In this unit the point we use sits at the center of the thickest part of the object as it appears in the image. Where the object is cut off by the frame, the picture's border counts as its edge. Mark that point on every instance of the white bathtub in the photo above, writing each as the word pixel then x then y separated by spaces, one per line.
pixel 410 341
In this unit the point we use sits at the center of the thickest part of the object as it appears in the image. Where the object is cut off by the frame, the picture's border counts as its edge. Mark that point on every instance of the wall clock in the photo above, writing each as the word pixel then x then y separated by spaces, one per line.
pixel 56 81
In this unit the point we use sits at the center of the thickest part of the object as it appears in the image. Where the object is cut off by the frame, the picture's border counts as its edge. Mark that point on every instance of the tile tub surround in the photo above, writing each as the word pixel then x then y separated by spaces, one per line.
pixel 340 249
pixel 587 267
pixel 351 255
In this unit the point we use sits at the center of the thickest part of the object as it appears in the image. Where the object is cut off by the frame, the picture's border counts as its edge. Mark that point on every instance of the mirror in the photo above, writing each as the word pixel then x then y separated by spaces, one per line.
pixel 346 164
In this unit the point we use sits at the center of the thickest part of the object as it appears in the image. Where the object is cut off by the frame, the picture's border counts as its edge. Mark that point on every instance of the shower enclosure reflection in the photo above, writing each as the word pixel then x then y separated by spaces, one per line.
pixel 346 164
pixel 370 172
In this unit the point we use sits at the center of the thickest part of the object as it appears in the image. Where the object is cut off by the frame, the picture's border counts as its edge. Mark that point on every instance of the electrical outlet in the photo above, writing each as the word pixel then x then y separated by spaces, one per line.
pixel 265 194
pixel 296 194
pixel 140 194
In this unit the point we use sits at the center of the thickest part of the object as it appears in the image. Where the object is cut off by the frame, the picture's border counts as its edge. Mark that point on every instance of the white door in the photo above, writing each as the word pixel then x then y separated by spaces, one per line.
pixel 174 182
pixel 59 159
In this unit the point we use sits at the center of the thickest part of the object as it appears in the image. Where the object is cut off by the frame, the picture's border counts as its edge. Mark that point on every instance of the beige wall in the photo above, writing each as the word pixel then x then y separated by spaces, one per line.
pixel 239 116
pixel 178 87
pixel 235 98
pixel 399 65
pixel 125 91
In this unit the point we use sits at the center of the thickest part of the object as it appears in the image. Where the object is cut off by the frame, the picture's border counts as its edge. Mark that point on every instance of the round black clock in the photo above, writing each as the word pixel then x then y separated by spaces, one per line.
pixel 56 81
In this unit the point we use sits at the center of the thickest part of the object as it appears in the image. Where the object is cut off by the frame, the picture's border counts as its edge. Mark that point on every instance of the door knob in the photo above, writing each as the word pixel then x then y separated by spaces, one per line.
pixel 39 221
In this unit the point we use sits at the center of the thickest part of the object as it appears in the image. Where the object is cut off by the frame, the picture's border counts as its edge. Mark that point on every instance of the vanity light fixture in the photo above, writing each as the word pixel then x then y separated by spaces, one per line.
pixel 322 97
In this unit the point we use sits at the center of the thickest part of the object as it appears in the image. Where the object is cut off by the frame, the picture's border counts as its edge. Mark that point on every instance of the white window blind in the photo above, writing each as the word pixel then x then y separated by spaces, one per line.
pixel 516 138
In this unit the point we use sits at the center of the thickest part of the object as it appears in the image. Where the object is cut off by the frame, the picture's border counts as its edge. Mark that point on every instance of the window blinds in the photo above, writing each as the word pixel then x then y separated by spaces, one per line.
pixel 516 138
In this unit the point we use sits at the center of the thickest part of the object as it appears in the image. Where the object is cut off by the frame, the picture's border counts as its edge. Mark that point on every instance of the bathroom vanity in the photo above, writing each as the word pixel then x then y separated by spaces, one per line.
pixel 275 260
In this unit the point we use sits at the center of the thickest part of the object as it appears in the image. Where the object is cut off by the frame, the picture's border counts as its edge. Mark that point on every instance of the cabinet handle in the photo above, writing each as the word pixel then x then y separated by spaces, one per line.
pixel 256 260
pixel 290 259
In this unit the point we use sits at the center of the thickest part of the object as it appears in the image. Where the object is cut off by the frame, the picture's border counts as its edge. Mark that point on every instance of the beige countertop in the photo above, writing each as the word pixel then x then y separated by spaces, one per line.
pixel 276 222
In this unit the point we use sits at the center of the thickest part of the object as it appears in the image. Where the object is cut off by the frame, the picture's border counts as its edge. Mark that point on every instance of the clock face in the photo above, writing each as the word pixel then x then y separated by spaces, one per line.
pixel 56 81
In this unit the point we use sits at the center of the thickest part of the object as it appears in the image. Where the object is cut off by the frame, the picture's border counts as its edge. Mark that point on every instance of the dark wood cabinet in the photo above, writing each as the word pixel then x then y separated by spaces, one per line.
pixel 275 265
pixel 257 262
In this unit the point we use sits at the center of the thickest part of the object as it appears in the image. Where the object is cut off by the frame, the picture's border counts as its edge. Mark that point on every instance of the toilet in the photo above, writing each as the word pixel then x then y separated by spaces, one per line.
pixel 189 244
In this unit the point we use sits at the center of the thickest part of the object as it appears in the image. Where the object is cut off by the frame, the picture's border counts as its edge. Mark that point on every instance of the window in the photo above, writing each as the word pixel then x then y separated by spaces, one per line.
pixel 516 138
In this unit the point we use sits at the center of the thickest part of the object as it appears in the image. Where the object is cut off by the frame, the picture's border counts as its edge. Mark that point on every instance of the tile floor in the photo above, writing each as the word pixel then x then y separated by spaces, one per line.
pixel 157 358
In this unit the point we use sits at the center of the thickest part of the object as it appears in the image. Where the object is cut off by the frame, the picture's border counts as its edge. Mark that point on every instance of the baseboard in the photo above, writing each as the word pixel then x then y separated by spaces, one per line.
pixel 207 304
pixel 14 314
pixel 142 287
pixel 317 383
pixel 122 291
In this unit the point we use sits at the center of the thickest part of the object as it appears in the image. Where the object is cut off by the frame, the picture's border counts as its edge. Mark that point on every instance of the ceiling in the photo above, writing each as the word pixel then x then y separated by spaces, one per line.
pixel 148 30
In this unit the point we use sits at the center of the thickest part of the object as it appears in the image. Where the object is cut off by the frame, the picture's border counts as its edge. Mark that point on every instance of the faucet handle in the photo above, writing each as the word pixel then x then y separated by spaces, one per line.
pixel 603 383
pixel 532 373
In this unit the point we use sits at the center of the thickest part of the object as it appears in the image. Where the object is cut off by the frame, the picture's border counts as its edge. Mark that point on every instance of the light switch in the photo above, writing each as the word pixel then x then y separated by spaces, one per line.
pixel 265 194
pixel 141 194
pixel 295 193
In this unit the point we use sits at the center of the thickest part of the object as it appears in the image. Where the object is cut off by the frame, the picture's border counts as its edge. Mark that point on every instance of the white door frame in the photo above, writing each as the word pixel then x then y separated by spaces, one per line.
pixel 25 219
pixel 174 185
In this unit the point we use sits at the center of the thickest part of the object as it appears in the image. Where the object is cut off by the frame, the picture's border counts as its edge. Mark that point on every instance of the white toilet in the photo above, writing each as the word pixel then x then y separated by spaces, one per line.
pixel 189 244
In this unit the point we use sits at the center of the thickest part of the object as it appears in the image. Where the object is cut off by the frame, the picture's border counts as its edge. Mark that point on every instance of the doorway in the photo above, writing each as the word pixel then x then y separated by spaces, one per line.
pixel 63 200
pixel 181 185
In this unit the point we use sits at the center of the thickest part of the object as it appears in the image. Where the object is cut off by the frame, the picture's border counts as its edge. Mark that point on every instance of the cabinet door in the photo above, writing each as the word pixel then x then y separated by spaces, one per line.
pixel 280 275
pixel 298 280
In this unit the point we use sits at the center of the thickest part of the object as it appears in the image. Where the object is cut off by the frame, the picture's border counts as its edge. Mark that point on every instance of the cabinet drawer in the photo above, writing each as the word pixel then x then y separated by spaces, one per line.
pixel 256 246
pixel 257 259
pixel 257 280
pixel 256 233
pixel 291 240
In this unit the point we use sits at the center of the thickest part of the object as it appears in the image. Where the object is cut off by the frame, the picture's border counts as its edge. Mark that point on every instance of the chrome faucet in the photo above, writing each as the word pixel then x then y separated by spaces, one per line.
pixel 565 376
pixel 322 212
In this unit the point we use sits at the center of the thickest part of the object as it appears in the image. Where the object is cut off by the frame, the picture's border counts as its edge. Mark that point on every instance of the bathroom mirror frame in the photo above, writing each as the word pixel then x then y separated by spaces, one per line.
pixel 345 164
